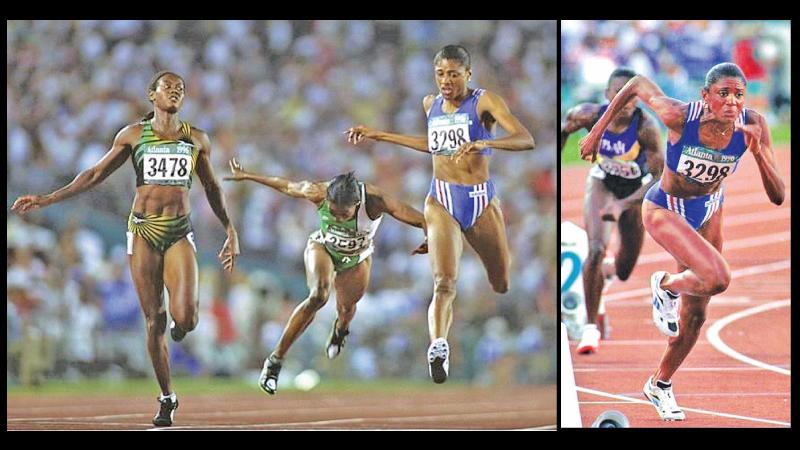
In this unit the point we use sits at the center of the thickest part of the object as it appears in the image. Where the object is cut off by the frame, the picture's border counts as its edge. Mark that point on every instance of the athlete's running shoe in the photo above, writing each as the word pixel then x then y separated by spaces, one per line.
pixel 439 360
pixel 665 306
pixel 336 341
pixel 660 395
pixel 590 339
pixel 268 380
pixel 166 411
pixel 176 332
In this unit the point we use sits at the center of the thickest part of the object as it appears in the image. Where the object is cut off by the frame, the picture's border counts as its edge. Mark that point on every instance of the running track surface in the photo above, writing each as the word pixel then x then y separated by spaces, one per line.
pixel 757 390
pixel 517 408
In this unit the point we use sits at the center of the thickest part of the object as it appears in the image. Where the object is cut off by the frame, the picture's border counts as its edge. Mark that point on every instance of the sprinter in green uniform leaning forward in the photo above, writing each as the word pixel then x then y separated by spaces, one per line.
pixel 337 254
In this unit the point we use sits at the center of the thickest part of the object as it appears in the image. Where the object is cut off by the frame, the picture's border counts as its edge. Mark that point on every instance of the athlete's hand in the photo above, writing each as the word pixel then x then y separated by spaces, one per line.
pixel 358 133
pixel 28 203
pixel 230 250
pixel 467 148
pixel 752 136
pixel 612 211
pixel 237 170
pixel 422 249
pixel 589 145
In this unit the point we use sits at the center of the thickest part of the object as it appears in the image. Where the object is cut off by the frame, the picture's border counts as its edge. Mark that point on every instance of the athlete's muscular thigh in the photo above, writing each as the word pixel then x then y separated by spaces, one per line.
pixel 351 284
pixel 319 268
pixel 488 238
pixel 444 241
pixel 146 265
pixel 180 277
pixel 678 238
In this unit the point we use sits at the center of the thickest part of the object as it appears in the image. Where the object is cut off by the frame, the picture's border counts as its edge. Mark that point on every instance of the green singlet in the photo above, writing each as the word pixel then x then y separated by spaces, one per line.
pixel 351 242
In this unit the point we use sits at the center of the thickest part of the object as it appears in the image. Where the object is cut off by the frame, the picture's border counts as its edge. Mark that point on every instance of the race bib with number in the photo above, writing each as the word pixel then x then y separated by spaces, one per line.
pixel 167 164
pixel 346 245
pixel 705 166
pixel 624 169
pixel 447 133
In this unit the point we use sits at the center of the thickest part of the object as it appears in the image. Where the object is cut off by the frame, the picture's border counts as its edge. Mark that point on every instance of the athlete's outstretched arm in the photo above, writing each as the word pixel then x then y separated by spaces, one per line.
pixel 420 143
pixel 230 249
pixel 580 116
pixel 670 111
pixel 120 151
pixel 309 190
pixel 382 203
pixel 759 142
pixel 358 133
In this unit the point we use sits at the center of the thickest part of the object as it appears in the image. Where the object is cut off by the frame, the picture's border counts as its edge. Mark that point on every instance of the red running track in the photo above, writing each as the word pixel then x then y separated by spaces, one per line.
pixel 714 388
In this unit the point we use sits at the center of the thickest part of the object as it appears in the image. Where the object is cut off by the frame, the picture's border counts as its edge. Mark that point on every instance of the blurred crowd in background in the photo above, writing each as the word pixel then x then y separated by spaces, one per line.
pixel 677 54
pixel 277 95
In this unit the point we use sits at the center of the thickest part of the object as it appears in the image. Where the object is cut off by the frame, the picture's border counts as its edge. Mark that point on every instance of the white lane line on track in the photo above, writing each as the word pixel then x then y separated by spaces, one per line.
pixel 351 420
pixel 84 418
pixel 683 369
pixel 743 272
pixel 699 411
pixel 713 335
pixel 297 409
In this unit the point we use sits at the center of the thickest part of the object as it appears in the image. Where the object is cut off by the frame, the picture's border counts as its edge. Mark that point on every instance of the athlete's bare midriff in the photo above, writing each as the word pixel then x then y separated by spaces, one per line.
pixel 471 170
pixel 168 201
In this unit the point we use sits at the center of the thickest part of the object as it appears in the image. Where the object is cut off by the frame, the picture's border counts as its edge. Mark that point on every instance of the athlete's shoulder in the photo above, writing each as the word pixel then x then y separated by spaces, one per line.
pixel 485 94
pixel 427 101
pixel 130 133
pixel 751 116
pixel 197 135
pixel 692 111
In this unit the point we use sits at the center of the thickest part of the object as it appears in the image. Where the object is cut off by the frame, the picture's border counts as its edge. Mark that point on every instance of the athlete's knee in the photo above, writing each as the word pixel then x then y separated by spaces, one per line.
pixel 444 285
pixel 500 284
pixel 597 250
pixel 346 308
pixel 319 295
pixel 721 281
pixel 186 320
pixel 623 271
pixel 155 323
pixel 717 279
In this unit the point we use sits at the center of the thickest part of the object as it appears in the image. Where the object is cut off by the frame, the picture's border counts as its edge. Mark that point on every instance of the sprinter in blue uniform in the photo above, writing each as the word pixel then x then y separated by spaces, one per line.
pixel 683 211
pixel 462 198
pixel 628 163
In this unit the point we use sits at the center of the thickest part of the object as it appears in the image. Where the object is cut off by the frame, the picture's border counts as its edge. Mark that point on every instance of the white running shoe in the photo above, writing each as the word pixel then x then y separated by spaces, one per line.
pixel 660 395
pixel 439 360
pixel 590 339
pixel 665 307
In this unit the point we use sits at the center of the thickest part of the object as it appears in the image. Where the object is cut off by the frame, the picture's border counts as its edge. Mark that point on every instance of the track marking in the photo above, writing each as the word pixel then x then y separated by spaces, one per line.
pixel 699 411
pixel 355 420
pixel 713 335
pixel 743 272
pixel 542 428
pixel 683 369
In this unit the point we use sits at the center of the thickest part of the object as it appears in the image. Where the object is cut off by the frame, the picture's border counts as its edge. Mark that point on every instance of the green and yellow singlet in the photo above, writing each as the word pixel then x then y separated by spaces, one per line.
pixel 164 161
